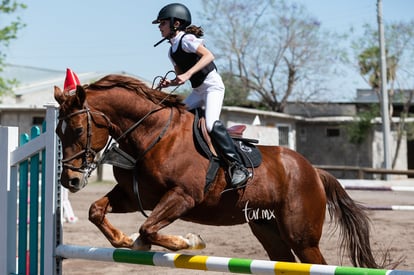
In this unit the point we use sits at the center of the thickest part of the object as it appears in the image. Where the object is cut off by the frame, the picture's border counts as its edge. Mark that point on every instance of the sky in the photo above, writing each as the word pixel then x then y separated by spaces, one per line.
pixel 117 35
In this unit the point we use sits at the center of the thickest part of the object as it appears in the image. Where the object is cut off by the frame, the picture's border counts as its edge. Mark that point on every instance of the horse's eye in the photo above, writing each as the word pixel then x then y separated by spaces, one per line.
pixel 79 131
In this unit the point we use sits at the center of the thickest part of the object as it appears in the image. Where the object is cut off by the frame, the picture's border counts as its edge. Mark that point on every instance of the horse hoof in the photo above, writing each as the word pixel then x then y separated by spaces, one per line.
pixel 139 244
pixel 195 241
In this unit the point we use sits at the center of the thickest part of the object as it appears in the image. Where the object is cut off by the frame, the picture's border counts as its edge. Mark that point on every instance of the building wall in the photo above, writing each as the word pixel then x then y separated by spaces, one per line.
pixel 328 144
pixel 378 152
pixel 24 119
pixel 266 127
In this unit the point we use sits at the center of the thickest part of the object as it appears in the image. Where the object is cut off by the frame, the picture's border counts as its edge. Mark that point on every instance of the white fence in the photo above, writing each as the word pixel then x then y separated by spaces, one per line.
pixel 11 156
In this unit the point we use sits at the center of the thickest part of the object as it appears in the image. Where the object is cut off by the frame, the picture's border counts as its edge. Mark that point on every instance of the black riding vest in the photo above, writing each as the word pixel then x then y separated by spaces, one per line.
pixel 185 61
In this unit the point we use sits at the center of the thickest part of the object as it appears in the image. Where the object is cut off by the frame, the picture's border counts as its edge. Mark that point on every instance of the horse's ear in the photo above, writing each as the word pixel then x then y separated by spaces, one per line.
pixel 80 95
pixel 59 96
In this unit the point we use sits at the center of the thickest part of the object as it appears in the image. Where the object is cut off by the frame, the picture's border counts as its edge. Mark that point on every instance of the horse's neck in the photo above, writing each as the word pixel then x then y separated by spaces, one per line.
pixel 135 122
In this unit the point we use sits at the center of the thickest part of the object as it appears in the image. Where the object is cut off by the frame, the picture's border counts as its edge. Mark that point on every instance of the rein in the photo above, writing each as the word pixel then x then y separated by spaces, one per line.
pixel 153 110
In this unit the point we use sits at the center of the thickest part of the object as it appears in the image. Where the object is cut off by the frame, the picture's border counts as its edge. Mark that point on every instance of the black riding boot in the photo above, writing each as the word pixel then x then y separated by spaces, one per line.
pixel 224 146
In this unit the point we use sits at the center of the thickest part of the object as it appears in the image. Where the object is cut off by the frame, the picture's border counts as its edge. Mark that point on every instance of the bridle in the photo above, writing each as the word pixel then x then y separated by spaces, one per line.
pixel 87 166
pixel 87 153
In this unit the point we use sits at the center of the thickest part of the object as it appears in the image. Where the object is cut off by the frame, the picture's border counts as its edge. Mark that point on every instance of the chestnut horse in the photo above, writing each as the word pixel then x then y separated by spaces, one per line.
pixel 156 130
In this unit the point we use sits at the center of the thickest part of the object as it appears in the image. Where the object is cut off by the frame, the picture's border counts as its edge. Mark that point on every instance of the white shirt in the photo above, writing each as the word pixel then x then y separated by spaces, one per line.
pixel 189 43
pixel 210 93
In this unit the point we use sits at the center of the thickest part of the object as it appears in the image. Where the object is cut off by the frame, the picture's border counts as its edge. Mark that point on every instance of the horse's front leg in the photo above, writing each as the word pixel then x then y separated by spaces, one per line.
pixel 173 205
pixel 97 215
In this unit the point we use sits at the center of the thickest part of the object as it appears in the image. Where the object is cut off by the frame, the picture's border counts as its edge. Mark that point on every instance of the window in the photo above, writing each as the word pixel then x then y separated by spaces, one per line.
pixel 302 134
pixel 283 135
pixel 37 120
pixel 332 132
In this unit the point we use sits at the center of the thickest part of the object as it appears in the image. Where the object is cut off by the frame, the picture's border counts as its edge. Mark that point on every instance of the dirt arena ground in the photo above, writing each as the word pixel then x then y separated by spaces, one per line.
pixel 393 230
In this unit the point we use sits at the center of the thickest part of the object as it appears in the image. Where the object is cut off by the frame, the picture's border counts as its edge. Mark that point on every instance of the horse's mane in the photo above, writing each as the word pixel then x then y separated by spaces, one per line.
pixel 139 87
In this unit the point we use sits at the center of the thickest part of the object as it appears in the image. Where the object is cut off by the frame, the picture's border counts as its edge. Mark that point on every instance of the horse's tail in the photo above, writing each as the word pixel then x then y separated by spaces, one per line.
pixel 354 222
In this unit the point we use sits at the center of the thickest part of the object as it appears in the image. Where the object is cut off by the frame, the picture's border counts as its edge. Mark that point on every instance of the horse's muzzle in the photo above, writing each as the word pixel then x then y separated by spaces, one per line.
pixel 73 181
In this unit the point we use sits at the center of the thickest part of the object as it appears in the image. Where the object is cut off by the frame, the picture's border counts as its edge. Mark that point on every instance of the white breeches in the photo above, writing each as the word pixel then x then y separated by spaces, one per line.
pixel 210 95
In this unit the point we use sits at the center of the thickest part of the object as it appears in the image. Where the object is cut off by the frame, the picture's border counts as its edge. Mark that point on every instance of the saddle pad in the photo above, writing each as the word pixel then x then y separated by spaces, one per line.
pixel 249 153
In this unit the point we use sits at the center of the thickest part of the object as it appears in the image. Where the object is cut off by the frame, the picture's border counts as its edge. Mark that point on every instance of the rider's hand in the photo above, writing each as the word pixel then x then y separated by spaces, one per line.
pixel 181 79
pixel 165 83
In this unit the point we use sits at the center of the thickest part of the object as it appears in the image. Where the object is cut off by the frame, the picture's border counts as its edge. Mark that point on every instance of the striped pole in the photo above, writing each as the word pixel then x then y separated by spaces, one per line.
pixel 383 188
pixel 379 188
pixel 210 263
pixel 390 207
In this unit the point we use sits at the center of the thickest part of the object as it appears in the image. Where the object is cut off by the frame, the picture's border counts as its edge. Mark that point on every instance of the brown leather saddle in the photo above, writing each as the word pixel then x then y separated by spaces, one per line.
pixel 248 152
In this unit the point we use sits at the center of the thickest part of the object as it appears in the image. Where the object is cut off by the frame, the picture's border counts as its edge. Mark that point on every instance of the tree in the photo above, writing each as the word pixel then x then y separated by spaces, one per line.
pixel 370 67
pixel 8 33
pixel 359 129
pixel 236 92
pixel 275 49
pixel 399 42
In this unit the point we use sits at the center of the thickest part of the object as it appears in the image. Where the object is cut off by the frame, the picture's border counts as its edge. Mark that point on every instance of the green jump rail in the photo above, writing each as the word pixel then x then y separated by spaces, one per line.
pixel 211 263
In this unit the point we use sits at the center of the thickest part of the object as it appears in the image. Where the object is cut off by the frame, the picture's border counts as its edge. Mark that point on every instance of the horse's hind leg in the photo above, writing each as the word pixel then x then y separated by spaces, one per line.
pixel 279 249
pixel 302 229
pixel 267 232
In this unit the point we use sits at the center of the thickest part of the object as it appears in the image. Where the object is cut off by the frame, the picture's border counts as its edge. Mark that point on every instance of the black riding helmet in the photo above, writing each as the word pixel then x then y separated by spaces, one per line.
pixel 173 12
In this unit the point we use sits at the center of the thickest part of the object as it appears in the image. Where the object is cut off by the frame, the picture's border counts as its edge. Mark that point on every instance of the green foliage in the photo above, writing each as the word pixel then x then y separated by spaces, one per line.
pixel 6 85
pixel 409 128
pixel 360 128
pixel 8 33
pixel 399 43
pixel 369 65
pixel 236 93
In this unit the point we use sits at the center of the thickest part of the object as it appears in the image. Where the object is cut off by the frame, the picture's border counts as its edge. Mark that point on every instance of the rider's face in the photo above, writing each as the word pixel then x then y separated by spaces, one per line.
pixel 164 27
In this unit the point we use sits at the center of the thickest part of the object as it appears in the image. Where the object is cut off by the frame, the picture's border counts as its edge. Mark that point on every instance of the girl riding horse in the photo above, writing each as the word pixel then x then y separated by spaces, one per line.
pixel 193 61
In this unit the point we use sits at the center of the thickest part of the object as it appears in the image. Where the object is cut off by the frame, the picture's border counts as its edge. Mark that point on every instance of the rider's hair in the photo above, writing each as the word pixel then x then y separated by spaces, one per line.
pixel 197 31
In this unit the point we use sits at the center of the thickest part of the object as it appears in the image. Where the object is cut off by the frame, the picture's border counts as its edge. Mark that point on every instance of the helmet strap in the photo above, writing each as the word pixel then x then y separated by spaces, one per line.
pixel 173 29
pixel 159 42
